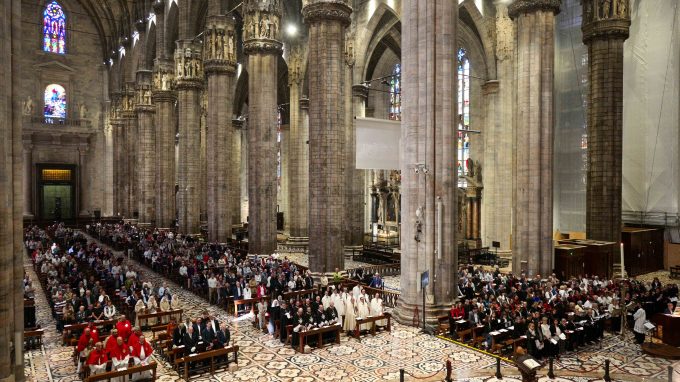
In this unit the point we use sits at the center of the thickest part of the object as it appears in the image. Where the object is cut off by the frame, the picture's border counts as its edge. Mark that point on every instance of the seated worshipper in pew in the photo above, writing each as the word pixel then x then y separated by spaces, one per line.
pixel 285 318
pixel 164 306
pixel 141 355
pixel 310 323
pixel 178 335
pixel 85 339
pixel 456 314
pixel 535 343
pixel 299 323
pixel 120 358
pixel 111 342
pixel 124 327
pixel 84 354
pixel 97 360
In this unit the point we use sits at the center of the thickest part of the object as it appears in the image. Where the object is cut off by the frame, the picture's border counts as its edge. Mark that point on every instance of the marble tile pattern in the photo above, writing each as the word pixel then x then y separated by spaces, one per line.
pixel 378 358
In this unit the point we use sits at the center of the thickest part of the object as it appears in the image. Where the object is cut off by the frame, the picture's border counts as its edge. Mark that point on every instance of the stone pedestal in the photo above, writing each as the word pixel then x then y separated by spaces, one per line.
pixel 533 193
pixel 164 99
pixel 262 44
pixel 428 173
pixel 605 28
pixel 327 20
pixel 189 75
pixel 219 60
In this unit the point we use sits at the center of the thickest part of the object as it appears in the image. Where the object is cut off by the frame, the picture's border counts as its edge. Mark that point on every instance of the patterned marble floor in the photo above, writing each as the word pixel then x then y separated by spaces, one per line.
pixel 372 359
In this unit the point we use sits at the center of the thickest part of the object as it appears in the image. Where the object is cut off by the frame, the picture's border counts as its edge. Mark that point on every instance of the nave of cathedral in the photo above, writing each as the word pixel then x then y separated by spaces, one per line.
pixel 364 190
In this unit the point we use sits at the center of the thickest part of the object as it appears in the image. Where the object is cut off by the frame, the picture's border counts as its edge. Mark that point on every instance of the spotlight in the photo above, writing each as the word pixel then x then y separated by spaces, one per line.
pixel 291 30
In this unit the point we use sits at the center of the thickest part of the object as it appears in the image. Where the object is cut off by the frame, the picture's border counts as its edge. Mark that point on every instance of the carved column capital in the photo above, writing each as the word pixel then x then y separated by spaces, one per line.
pixel 127 99
pixel 360 91
pixel 188 66
pixel 490 87
pixel 262 27
pixel 321 10
pixel 605 19
pixel 143 101
pixel 219 45
pixel 529 6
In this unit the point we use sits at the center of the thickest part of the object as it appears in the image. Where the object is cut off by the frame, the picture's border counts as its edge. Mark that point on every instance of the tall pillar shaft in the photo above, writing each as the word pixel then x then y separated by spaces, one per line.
pixel 130 137
pixel 234 177
pixel 605 28
pixel 189 72
pixel 219 60
pixel 28 180
pixel 428 183
pixel 298 170
pixel 327 21
pixel 262 30
pixel 117 129
pixel 359 98
pixel 354 192
pixel 533 211
pixel 146 147
pixel 164 99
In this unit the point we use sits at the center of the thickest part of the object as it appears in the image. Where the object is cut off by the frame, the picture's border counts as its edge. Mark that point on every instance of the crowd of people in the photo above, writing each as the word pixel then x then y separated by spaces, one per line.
pixel 553 315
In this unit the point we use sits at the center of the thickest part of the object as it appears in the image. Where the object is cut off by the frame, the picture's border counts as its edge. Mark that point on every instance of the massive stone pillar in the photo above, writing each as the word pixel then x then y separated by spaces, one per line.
pixel 605 28
pixel 262 44
pixel 189 72
pixel 164 99
pixel 12 253
pixel 234 180
pixel 117 132
pixel 532 212
pixel 327 20
pixel 129 155
pixel 28 180
pixel 146 147
pixel 298 170
pixel 428 183
pixel 354 194
pixel 219 61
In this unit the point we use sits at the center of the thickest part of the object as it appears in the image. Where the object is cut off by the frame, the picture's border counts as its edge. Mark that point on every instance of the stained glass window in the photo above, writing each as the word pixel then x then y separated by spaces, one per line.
pixel 54 29
pixel 395 94
pixel 55 101
pixel 463 116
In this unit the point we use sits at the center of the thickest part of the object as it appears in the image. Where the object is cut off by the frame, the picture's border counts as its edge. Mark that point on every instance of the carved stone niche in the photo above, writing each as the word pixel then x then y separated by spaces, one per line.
pixel 143 89
pixel 262 25
pixel 163 76
pixel 188 63
pixel 219 44
pixel 128 98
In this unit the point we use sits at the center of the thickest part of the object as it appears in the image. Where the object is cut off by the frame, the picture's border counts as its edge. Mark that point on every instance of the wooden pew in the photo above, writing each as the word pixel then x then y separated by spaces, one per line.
pixel 33 339
pixel 372 320
pixel 74 329
pixel 319 332
pixel 126 374
pixel 299 293
pixel 210 354
pixel 250 301
pixel 171 313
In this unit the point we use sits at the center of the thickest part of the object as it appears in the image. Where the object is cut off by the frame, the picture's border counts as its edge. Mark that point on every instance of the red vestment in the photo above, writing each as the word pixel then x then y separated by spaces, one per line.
pixel 97 357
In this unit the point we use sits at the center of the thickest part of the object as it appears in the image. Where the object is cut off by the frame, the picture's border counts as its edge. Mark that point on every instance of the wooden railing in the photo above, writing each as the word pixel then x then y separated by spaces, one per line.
pixel 391 269
pixel 122 374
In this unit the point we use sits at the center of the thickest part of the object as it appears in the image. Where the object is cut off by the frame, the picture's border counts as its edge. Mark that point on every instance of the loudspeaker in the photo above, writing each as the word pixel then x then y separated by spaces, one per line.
pixel 97 214
pixel 496 244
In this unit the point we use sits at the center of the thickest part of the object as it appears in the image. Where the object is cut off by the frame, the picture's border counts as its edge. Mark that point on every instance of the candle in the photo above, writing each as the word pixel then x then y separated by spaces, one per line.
pixel 623 269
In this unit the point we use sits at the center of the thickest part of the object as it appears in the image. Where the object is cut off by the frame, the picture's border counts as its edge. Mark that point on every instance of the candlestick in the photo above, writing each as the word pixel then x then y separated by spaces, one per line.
pixel 623 269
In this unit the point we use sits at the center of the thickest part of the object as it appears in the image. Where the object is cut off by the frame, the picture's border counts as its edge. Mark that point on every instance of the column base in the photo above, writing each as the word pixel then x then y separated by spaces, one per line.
pixel 144 225
pixel 297 241
pixel 403 313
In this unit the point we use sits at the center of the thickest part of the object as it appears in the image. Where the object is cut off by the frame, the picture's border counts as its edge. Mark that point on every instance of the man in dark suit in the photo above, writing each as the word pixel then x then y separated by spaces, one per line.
pixel 285 319
pixel 190 339
pixel 209 334
pixel 224 336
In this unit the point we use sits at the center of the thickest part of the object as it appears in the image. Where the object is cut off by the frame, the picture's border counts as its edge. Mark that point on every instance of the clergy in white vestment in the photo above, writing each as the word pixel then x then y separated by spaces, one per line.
pixel 377 309
pixel 363 312
pixel 350 322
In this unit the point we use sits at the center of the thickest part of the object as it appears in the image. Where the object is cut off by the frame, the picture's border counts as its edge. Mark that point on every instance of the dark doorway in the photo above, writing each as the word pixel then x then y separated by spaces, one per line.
pixel 56 191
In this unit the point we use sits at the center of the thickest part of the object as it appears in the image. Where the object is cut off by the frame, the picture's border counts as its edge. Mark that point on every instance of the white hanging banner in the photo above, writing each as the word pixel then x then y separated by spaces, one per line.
pixel 378 144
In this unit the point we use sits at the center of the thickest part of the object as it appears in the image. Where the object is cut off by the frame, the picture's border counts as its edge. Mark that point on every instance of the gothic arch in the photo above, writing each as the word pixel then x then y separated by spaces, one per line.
pixel 469 16
pixel 383 20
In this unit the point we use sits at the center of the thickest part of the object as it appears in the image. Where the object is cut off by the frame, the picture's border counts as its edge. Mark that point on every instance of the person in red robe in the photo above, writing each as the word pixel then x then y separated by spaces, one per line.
pixel 134 337
pixel 111 342
pixel 97 359
pixel 124 327
pixel 94 332
pixel 141 350
pixel 120 355
pixel 84 340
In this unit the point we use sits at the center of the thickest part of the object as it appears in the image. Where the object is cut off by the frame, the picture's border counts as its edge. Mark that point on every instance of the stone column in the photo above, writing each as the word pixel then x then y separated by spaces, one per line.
pixel 119 169
pixel 146 147
pixel 219 60
pixel 298 197
pixel 605 28
pixel 327 20
pixel 355 106
pixel 262 44
pixel 28 181
pixel 129 154
pixel 189 72
pixel 164 99
pixel 532 212
pixel 428 172
pixel 240 166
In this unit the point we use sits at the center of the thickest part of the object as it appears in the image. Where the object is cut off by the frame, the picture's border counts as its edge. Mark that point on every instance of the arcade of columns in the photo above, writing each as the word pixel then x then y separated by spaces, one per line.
pixel 320 158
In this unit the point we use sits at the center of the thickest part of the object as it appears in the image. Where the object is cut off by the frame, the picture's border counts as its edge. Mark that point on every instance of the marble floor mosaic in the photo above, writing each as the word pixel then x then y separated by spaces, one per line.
pixel 372 359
